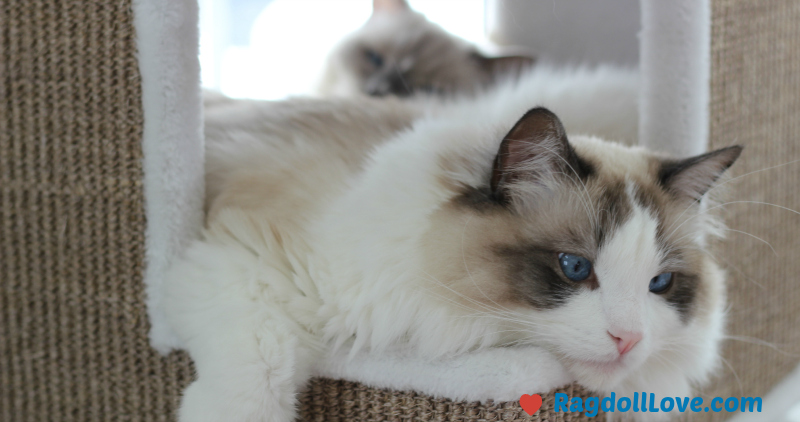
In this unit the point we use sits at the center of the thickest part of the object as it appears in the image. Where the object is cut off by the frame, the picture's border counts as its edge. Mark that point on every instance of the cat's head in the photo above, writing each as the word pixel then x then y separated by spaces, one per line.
pixel 594 251
pixel 398 52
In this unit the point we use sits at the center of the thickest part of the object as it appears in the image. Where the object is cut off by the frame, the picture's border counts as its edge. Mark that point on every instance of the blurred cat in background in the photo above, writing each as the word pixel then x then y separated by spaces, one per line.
pixel 399 52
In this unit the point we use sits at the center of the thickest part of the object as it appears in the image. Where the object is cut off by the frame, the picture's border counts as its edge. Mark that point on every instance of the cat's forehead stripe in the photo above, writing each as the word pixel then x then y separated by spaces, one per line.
pixel 532 272
pixel 612 208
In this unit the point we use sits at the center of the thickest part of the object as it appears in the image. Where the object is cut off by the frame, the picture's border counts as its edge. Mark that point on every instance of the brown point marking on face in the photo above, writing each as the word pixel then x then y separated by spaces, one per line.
pixel 675 240
pixel 525 260
pixel 535 277
pixel 491 256
pixel 533 268
pixel 612 207
pixel 683 294
pixel 456 253
pixel 525 270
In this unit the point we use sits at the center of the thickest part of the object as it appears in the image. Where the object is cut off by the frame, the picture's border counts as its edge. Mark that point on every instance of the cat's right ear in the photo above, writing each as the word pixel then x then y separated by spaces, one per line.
pixel 535 150
pixel 389 6
pixel 694 176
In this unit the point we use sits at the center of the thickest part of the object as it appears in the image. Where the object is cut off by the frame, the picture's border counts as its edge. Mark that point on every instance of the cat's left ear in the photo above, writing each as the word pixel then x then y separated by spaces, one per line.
pixel 693 177
pixel 389 6
pixel 535 150
pixel 503 65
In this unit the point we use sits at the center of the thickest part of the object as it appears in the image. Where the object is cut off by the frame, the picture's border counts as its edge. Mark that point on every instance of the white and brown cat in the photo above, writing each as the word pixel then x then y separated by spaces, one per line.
pixel 399 52
pixel 445 230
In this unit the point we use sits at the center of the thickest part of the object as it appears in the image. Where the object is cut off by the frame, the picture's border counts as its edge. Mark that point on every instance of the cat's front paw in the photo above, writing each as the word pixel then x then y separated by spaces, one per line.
pixel 205 401
pixel 200 404
pixel 519 370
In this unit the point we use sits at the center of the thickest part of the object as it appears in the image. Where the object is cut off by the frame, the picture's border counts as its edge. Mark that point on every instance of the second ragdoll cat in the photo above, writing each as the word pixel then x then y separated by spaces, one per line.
pixel 446 230
pixel 400 53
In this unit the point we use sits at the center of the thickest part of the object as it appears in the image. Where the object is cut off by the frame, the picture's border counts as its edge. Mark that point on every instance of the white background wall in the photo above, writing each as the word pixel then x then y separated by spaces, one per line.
pixel 568 31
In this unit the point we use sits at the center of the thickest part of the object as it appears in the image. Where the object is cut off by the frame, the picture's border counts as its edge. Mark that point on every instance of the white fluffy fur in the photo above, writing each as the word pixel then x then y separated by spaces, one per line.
pixel 166 33
pixel 261 308
pixel 601 101
pixel 498 373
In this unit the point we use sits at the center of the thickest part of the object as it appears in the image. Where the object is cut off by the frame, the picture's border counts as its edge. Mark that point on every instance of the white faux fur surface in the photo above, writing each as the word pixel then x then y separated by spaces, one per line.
pixel 675 45
pixel 167 40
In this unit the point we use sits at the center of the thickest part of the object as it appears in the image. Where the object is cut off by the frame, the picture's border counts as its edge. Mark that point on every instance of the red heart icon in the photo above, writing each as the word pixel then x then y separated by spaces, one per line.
pixel 530 404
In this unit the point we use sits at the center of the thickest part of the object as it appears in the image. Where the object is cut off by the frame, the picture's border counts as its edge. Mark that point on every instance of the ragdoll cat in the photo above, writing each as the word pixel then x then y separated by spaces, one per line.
pixel 445 229
pixel 399 52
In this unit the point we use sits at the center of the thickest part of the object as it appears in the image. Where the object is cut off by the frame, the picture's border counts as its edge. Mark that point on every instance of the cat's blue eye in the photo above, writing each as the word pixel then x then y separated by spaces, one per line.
pixel 576 268
pixel 374 58
pixel 661 282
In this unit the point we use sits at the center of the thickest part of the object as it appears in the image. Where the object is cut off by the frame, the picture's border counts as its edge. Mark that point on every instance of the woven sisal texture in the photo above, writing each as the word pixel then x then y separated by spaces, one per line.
pixel 73 343
pixel 341 401
pixel 755 102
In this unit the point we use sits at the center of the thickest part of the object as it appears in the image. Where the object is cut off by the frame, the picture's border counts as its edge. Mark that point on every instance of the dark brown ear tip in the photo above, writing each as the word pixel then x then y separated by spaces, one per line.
pixel 737 148
pixel 543 114
pixel 539 110
pixel 734 150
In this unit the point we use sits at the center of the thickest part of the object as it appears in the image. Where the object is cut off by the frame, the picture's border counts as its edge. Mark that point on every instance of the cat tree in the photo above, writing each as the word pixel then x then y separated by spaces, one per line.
pixel 101 184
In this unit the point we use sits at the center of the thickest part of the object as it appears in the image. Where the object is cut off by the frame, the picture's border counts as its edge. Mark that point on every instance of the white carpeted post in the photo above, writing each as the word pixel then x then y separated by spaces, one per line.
pixel 675 49
pixel 167 39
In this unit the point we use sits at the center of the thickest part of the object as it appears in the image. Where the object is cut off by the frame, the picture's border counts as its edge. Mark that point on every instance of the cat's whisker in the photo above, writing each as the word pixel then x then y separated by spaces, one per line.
pixel 470 300
pixel 723 183
pixel 523 322
pixel 760 342
pixel 466 267
pixel 730 203
pixel 685 351
pixel 590 206
pixel 500 317
pixel 664 359
pixel 486 308
pixel 678 240
pixel 735 374
pixel 672 230
pixel 496 311
pixel 459 294
pixel 754 237
pixel 591 212
pixel 729 264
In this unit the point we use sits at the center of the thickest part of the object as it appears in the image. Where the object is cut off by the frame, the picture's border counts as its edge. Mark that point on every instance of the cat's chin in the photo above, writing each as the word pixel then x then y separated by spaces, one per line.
pixel 599 375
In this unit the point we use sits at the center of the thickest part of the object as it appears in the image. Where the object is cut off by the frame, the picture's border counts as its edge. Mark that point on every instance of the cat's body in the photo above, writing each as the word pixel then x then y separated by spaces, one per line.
pixel 377 225
pixel 400 53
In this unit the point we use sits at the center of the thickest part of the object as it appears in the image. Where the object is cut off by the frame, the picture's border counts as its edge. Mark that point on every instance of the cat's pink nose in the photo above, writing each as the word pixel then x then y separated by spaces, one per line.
pixel 625 340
